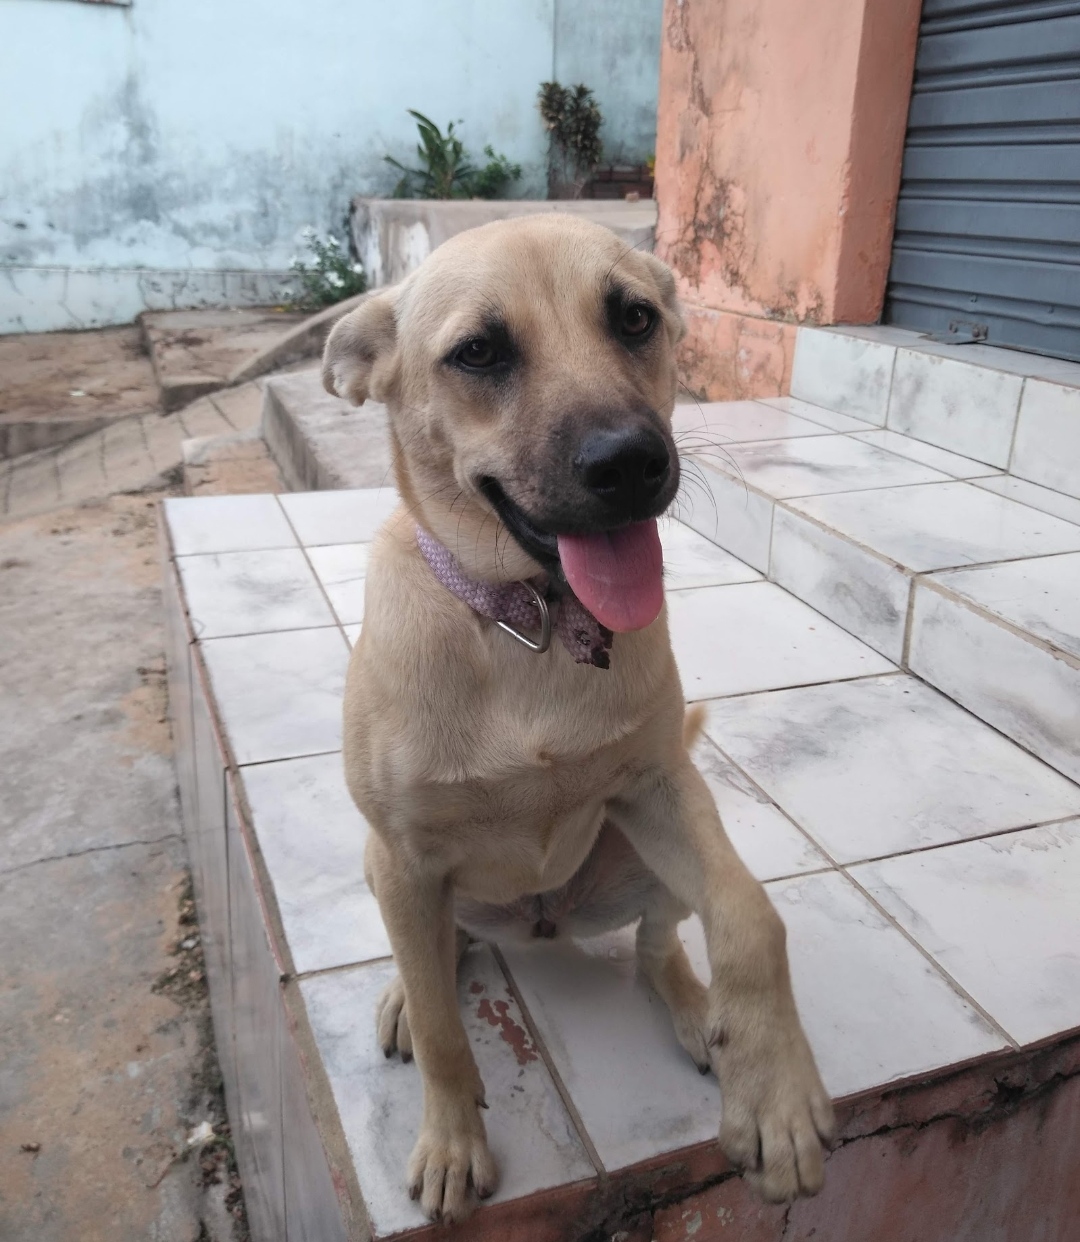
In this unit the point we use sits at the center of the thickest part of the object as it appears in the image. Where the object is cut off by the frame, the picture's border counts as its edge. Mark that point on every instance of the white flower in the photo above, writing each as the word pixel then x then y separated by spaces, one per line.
pixel 332 278
pixel 358 268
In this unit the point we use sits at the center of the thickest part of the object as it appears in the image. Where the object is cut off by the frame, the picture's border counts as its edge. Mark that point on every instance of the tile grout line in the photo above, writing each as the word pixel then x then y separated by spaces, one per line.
pixel 322 589
pixel 556 1077
pixel 1016 424
pixel 895 671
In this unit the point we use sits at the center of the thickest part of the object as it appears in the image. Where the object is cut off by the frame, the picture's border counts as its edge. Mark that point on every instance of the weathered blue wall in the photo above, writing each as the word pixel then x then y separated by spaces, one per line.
pixel 169 153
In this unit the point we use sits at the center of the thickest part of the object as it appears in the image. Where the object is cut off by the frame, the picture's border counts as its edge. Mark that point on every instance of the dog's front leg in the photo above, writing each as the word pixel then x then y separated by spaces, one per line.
pixel 451 1164
pixel 776 1112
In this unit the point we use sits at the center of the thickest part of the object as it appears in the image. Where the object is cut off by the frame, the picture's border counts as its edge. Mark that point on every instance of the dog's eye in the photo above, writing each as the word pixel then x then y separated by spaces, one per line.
pixel 478 354
pixel 636 319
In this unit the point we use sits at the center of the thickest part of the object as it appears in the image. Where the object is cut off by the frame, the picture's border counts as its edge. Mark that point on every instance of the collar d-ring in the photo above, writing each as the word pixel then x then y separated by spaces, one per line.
pixel 545 624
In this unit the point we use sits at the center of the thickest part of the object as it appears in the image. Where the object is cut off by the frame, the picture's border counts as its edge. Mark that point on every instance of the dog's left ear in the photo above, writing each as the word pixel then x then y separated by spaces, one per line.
pixel 359 360
pixel 665 284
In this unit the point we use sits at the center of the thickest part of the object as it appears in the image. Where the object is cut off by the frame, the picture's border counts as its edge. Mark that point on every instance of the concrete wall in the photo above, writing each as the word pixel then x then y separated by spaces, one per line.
pixel 779 141
pixel 167 154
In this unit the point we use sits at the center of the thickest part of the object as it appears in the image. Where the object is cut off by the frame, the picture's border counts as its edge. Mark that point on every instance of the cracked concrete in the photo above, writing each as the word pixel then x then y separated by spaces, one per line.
pixel 105 1065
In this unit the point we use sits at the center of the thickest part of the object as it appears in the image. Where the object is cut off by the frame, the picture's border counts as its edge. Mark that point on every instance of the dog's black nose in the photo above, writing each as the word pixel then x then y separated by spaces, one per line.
pixel 626 468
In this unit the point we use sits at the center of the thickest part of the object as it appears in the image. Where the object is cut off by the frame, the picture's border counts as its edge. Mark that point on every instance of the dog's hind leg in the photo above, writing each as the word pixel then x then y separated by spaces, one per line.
pixel 664 963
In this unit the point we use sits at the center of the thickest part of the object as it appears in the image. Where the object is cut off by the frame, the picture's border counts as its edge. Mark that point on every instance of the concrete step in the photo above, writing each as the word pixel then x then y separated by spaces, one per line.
pixel 320 441
pixel 929 557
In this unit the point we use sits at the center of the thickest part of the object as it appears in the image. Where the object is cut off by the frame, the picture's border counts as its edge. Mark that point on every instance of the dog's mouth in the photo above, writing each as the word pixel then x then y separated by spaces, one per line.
pixel 617 574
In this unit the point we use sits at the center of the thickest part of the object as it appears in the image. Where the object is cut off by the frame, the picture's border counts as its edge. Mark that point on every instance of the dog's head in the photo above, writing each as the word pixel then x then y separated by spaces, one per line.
pixel 528 367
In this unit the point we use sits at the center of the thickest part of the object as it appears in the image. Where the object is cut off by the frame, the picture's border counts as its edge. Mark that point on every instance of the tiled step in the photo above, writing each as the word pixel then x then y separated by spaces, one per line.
pixel 1019 412
pixel 866 527
pixel 862 798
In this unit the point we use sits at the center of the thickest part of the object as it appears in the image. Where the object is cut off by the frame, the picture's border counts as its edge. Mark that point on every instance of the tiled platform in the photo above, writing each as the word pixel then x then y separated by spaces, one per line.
pixel 925 864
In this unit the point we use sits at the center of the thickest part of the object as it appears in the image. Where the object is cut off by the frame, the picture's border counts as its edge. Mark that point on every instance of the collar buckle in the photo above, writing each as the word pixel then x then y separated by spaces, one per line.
pixel 545 624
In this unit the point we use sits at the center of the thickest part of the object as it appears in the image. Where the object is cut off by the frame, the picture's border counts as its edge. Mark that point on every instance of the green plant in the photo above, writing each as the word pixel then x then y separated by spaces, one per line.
pixel 446 171
pixel 329 276
pixel 572 119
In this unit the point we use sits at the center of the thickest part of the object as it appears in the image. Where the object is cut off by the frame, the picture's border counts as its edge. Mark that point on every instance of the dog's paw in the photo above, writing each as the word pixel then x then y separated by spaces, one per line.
pixel 392 1021
pixel 451 1166
pixel 778 1120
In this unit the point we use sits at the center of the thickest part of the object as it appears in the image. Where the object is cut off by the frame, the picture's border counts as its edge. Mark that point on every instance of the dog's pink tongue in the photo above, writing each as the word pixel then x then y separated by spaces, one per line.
pixel 618 575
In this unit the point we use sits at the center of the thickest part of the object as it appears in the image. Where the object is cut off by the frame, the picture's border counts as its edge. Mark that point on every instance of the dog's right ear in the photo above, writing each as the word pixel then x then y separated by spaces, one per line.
pixel 360 354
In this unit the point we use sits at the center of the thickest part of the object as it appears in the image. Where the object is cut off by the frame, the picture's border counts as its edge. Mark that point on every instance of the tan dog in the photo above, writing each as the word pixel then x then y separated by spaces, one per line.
pixel 528 367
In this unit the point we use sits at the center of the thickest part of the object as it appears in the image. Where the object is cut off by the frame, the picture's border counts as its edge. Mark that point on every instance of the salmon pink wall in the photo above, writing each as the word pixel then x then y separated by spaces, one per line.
pixel 780 135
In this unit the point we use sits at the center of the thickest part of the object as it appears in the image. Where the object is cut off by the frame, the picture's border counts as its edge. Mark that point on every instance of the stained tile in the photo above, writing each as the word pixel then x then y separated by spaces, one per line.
pixel 705 424
pixel 1001 916
pixel 379 1101
pixel 226 524
pixel 941 527
pixel 178 658
pixel 813 467
pixel 864 593
pixel 937 459
pixel 279 694
pixel 312 1211
pixel 957 406
pixel 857 983
pixel 312 840
pixel 727 512
pixel 1047 449
pixel 259 1021
pixel 1032 695
pixel 251 592
pixel 737 639
pixel 830 419
pixel 342 569
pixel 1036 497
pixel 765 839
pixel 339 516
pixel 1040 596
pixel 883 765
pixel 606 1029
pixel 843 373
pixel 691 560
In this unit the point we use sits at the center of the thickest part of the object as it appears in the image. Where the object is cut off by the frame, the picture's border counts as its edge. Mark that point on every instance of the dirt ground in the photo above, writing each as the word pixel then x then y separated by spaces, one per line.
pixel 107 1066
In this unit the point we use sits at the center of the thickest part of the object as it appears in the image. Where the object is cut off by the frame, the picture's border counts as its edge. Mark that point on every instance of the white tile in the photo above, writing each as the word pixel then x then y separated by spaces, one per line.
pixel 941 526
pixel 258 1029
pixel 1036 497
pixel 705 424
pixel 813 467
pixel 279 695
pixel 865 594
pixel 1002 917
pixel 339 516
pixel 1040 596
pixel 226 524
pixel 342 569
pixel 691 560
pixel 878 766
pixel 818 414
pixel 874 1009
pixel 251 592
pixel 843 373
pixel 963 408
pixel 379 1101
pixel 610 1037
pixel 352 633
pixel 726 511
pixel 765 839
pixel 738 639
pixel 1047 447
pixel 1030 694
pixel 312 840
pixel 937 459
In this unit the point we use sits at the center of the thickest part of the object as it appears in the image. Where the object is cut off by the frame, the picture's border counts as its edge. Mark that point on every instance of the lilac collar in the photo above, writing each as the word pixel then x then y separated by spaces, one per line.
pixel 520 604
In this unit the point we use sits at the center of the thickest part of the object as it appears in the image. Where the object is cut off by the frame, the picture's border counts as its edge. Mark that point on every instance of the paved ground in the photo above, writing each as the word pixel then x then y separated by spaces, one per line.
pixel 57 385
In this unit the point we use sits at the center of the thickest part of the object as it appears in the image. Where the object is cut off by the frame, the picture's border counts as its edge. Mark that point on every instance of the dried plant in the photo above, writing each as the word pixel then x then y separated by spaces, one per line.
pixel 572 119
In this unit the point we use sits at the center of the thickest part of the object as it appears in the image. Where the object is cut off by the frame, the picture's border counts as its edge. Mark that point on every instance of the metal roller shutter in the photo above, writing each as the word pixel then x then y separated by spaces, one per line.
pixel 987 242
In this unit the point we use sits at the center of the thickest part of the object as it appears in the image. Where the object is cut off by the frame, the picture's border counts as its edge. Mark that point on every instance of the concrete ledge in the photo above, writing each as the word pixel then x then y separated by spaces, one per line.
pixel 393 236
pixel 305 340
pixel 321 442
